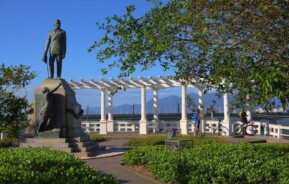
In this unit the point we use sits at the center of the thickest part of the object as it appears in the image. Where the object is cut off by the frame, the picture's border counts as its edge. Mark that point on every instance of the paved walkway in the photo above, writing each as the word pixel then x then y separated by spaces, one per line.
pixel 111 163
pixel 253 139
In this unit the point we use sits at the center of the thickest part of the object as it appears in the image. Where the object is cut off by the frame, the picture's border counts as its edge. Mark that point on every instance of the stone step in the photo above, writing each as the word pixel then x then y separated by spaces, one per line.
pixel 70 145
pixel 46 144
pixel 78 139
pixel 39 140
pixel 66 149
pixel 90 153
pixel 87 148
pixel 85 143
pixel 94 151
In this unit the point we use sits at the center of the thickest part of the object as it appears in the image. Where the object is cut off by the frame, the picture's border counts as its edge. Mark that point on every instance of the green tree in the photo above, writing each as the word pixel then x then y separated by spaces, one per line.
pixel 244 42
pixel 13 107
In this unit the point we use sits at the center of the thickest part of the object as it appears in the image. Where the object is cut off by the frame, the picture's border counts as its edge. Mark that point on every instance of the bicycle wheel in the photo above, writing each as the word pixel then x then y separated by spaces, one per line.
pixel 238 129
pixel 251 130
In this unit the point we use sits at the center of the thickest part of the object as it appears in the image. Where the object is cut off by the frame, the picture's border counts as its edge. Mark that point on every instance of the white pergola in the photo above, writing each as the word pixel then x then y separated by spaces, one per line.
pixel 106 125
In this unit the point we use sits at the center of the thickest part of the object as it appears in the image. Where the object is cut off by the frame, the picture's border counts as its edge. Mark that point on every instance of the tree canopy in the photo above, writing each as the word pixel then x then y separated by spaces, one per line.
pixel 233 45
pixel 13 107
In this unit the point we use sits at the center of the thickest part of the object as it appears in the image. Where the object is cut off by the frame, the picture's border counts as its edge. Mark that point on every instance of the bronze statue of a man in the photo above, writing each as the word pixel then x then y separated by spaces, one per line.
pixel 57 43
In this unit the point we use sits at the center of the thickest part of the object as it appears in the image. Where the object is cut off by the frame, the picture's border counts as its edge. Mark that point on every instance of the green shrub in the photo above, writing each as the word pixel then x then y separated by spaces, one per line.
pixel 12 131
pixel 97 138
pixel 4 143
pixel 215 163
pixel 36 165
pixel 160 140
pixel 147 141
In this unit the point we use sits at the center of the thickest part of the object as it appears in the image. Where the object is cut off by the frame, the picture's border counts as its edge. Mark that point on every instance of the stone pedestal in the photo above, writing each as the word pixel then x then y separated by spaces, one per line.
pixel 184 126
pixel 156 124
pixel 66 124
pixel 102 127
pixel 110 126
pixel 228 129
pixel 66 120
pixel 143 127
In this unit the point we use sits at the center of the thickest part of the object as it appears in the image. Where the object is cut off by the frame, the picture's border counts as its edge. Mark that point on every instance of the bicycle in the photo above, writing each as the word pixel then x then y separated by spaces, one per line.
pixel 220 129
pixel 246 128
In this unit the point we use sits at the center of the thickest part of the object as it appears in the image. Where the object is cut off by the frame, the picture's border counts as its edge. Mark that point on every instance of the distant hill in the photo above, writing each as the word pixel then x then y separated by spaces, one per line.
pixel 166 105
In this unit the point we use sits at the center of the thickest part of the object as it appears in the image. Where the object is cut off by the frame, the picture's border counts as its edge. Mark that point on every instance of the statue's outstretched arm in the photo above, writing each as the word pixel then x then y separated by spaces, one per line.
pixel 56 88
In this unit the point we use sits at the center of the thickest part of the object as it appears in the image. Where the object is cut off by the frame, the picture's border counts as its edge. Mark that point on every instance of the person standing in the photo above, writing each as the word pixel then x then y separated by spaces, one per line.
pixel 196 121
pixel 56 44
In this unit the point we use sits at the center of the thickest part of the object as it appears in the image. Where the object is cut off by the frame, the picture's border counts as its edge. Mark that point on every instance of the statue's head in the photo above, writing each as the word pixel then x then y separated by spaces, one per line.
pixel 57 24
pixel 45 90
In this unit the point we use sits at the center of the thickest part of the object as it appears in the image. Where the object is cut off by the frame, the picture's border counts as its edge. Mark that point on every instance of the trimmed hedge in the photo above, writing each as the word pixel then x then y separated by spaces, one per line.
pixel 97 138
pixel 147 141
pixel 215 163
pixel 38 165
pixel 160 140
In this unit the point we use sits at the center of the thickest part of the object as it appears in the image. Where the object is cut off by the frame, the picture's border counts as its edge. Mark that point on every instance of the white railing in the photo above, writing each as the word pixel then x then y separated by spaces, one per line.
pixel 211 126
pixel 277 131
pixel 131 126
pixel 89 126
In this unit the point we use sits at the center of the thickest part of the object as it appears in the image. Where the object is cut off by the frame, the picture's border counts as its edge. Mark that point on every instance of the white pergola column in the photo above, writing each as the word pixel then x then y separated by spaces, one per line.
pixel 184 120
pixel 143 121
pixel 156 109
pixel 102 122
pixel 201 108
pixel 226 122
pixel 226 108
pixel 110 122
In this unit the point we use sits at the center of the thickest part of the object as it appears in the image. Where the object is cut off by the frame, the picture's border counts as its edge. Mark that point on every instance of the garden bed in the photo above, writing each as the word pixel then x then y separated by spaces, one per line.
pixel 38 165
pixel 215 163
pixel 160 140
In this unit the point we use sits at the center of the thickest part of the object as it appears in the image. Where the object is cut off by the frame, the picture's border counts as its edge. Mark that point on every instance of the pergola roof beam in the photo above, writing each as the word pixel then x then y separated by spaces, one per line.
pixel 167 82
pixel 96 83
pixel 135 82
pixel 145 81
pixel 115 82
pixel 127 83
pixel 107 83
pixel 150 82
pixel 87 84
pixel 153 80
pixel 75 85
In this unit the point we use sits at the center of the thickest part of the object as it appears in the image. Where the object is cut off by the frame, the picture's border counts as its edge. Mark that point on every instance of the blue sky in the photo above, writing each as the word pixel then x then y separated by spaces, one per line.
pixel 26 24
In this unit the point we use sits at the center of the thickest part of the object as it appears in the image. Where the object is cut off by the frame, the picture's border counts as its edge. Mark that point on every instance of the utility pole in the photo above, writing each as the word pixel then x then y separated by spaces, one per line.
pixel 132 111
pixel 87 109
pixel 179 110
